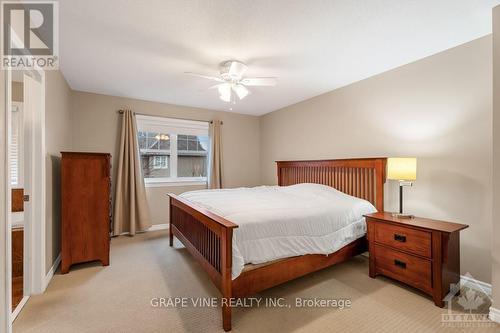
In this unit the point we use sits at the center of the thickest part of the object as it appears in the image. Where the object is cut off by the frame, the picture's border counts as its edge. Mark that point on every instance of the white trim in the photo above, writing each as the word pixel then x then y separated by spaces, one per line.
pixel 494 315
pixel 164 182
pixel 51 272
pixel 7 239
pixel 173 156
pixel 172 127
pixel 156 227
pixel 41 204
pixel 18 309
pixel 36 187
pixel 476 284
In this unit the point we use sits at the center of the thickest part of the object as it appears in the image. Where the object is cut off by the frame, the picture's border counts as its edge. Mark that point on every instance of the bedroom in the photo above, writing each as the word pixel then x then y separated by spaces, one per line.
pixel 349 81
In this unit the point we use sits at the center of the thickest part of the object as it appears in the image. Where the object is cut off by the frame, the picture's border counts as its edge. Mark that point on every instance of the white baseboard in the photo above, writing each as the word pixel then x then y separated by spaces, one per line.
pixel 476 284
pixel 18 308
pixel 51 272
pixel 156 227
pixel 494 315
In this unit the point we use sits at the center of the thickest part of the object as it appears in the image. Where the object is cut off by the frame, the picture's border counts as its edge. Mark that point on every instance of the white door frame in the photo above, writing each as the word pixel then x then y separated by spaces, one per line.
pixel 7 302
pixel 35 229
pixel 34 232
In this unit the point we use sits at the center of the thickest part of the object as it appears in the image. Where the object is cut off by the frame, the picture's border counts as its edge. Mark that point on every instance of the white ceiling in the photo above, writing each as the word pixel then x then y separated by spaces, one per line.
pixel 140 49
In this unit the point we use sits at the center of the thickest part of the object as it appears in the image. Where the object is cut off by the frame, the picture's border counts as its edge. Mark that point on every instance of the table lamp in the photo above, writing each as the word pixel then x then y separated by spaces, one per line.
pixel 404 170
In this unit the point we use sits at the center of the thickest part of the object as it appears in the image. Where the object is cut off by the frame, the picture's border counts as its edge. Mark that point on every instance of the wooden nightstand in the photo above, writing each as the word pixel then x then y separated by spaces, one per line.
pixel 422 253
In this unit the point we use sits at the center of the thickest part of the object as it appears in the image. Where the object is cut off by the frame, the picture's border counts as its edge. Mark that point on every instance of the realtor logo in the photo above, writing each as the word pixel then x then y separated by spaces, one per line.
pixel 467 305
pixel 30 35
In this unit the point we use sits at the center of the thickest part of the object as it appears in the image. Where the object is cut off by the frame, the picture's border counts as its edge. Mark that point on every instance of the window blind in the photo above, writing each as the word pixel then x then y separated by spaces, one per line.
pixel 14 147
pixel 171 125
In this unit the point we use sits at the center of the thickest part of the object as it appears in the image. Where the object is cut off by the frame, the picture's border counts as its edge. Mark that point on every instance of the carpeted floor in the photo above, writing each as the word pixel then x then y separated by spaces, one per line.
pixel 117 298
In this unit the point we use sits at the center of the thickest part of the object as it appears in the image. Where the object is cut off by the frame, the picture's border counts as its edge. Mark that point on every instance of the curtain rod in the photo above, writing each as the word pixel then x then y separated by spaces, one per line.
pixel 143 114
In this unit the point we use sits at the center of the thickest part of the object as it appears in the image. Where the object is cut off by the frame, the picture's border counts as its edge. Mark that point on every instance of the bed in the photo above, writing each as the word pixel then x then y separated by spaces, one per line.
pixel 285 232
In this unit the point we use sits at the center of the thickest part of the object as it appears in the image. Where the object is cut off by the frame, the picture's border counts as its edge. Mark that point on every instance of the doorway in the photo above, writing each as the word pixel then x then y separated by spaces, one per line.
pixel 26 182
pixel 16 165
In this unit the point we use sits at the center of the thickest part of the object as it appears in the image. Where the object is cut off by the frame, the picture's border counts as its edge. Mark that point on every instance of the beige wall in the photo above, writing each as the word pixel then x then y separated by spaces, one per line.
pixel 438 109
pixel 58 137
pixel 496 159
pixel 96 128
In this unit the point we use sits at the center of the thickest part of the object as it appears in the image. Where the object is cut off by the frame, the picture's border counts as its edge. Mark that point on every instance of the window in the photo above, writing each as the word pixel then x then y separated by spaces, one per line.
pixel 16 145
pixel 172 150
pixel 192 155
pixel 160 162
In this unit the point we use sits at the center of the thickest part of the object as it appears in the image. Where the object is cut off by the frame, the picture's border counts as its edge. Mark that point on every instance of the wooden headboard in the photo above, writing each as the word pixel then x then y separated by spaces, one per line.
pixel 360 177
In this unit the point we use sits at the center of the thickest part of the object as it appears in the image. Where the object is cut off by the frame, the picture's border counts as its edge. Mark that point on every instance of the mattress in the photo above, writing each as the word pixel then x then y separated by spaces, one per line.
pixel 276 222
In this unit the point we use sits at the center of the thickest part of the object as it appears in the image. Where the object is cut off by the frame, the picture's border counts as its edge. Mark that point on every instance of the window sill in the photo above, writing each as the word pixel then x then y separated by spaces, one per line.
pixel 174 182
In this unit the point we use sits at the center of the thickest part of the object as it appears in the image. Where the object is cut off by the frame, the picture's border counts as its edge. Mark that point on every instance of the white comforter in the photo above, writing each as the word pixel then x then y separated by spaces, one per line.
pixel 284 221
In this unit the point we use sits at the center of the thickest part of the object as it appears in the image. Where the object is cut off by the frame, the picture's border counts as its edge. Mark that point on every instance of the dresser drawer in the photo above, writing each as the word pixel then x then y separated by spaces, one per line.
pixel 401 238
pixel 404 267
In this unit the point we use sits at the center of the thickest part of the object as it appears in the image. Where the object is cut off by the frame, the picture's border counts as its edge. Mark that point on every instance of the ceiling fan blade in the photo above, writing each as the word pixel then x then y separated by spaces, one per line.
pixel 241 91
pixel 224 92
pixel 213 78
pixel 259 81
pixel 237 69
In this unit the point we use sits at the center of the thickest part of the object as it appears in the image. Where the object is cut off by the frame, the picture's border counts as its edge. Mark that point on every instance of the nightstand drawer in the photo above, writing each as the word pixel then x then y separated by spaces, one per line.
pixel 404 267
pixel 401 238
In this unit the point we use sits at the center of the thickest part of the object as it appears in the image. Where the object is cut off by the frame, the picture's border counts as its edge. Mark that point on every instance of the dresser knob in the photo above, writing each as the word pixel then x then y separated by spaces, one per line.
pixel 400 263
pixel 400 238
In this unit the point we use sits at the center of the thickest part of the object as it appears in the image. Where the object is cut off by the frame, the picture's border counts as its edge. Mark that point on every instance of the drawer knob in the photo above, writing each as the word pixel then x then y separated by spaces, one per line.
pixel 400 238
pixel 400 263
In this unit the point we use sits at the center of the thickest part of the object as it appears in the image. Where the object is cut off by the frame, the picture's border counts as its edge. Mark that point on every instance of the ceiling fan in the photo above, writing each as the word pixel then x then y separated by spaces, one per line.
pixel 231 80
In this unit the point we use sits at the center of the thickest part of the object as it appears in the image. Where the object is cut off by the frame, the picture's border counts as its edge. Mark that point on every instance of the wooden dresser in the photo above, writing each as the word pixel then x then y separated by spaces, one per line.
pixel 86 208
pixel 422 253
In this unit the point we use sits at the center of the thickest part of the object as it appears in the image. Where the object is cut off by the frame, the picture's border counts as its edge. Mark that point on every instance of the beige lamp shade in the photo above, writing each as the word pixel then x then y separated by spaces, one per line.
pixel 402 168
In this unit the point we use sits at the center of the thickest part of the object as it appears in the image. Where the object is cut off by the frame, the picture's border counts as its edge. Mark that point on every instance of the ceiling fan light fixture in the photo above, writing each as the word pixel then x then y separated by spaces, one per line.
pixel 240 90
pixel 224 92
pixel 232 80
pixel 236 69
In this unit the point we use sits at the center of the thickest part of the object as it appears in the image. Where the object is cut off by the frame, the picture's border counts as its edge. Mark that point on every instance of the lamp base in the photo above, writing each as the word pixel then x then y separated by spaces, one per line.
pixel 403 216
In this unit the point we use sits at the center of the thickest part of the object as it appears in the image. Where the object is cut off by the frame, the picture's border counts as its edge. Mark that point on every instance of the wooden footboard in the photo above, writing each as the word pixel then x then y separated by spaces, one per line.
pixel 209 238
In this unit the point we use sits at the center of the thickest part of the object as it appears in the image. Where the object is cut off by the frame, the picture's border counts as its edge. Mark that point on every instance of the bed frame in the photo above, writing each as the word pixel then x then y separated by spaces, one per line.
pixel 208 237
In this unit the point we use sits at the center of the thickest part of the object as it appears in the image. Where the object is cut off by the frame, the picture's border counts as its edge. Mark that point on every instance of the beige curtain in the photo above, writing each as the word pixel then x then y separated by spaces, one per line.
pixel 131 213
pixel 215 165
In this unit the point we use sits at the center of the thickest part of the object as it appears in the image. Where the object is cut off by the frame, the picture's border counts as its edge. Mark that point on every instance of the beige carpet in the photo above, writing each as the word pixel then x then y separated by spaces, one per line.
pixel 117 298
